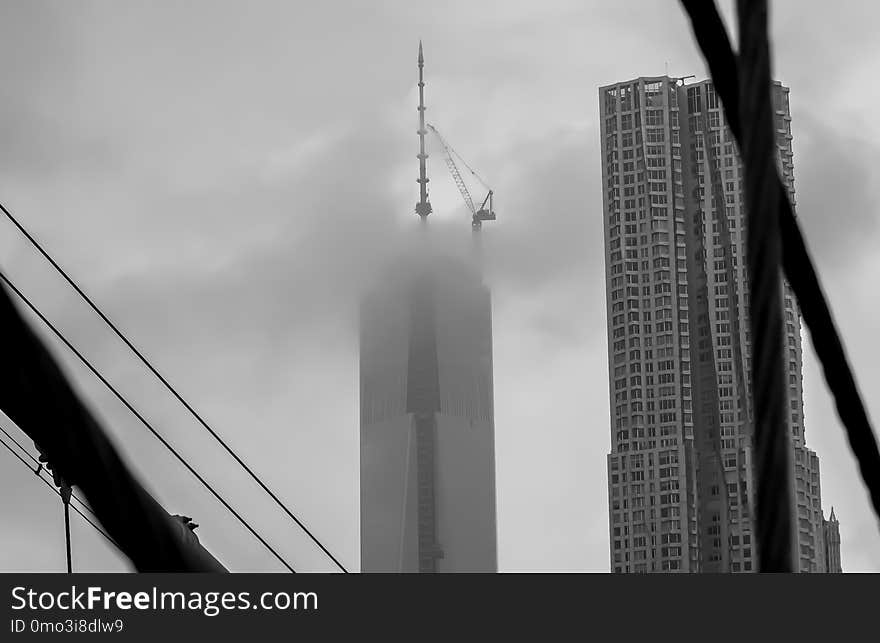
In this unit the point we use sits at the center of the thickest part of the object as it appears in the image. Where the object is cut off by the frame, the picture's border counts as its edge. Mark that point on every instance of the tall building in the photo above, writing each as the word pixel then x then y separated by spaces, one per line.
pixel 680 474
pixel 427 418
pixel 427 425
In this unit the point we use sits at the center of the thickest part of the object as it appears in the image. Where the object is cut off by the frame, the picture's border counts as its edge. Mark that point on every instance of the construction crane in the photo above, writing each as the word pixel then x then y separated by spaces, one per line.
pixel 479 214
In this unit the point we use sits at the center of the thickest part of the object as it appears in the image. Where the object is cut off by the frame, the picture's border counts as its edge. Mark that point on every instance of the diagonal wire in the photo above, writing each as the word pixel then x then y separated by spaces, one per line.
pixel 168 386
pixel 143 421
pixel 39 467
pixel 52 487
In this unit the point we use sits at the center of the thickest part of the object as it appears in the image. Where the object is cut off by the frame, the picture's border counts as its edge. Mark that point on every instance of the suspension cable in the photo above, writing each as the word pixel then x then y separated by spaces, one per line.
pixel 40 468
pixel 143 421
pixel 168 386
pixel 773 511
pixel 65 500
pixel 52 487
pixel 65 492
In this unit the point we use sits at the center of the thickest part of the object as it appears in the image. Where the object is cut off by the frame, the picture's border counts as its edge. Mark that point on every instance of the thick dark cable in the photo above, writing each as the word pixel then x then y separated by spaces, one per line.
pixel 168 386
pixel 143 421
pixel 713 40
pixel 774 506
pixel 52 487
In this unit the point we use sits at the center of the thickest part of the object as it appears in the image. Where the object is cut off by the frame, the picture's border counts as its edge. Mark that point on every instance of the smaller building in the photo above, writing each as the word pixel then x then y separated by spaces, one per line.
pixel 831 530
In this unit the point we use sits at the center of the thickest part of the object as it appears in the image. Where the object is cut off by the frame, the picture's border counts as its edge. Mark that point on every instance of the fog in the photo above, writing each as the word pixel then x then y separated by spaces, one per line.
pixel 227 183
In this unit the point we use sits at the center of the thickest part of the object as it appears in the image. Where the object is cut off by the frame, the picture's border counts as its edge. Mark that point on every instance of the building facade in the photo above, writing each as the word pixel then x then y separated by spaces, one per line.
pixel 831 530
pixel 681 485
pixel 427 422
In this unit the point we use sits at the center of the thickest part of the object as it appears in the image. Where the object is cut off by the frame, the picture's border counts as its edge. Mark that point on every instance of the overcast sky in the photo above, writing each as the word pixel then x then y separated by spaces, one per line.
pixel 225 178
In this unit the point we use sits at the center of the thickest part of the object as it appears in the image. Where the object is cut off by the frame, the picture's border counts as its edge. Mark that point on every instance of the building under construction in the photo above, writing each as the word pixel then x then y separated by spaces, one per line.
pixel 427 422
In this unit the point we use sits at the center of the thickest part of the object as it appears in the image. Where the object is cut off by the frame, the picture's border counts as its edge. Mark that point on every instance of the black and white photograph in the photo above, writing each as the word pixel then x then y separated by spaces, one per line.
pixel 383 287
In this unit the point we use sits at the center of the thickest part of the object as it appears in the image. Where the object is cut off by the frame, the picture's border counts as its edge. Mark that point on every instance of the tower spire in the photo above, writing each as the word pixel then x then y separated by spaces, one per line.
pixel 423 207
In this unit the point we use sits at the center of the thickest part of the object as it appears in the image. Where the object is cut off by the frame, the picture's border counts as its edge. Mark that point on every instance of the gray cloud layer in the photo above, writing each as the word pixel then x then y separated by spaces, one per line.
pixel 226 183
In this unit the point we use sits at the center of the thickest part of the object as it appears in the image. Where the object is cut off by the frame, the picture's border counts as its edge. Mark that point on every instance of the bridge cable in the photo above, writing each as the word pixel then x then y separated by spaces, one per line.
pixel 40 468
pixel 143 421
pixel 168 386
pixel 773 511
pixel 52 487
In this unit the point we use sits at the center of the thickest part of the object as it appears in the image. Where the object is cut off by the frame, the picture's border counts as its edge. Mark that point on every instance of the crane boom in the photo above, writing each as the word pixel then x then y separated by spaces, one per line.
pixel 456 176
pixel 453 170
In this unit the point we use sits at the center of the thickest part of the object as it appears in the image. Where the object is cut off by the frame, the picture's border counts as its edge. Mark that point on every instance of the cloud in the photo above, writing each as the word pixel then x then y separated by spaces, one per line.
pixel 549 213
pixel 226 184
pixel 835 189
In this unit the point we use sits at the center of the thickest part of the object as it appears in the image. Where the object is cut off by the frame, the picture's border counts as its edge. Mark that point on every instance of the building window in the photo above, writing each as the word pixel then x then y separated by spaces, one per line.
pixel 694 96
pixel 654 117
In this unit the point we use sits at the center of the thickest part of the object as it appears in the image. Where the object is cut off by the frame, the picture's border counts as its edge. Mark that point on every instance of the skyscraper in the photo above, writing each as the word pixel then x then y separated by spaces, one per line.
pixel 681 480
pixel 427 418
pixel 427 425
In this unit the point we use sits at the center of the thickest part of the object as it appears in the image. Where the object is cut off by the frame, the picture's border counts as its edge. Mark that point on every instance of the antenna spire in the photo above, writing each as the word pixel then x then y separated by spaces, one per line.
pixel 423 207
